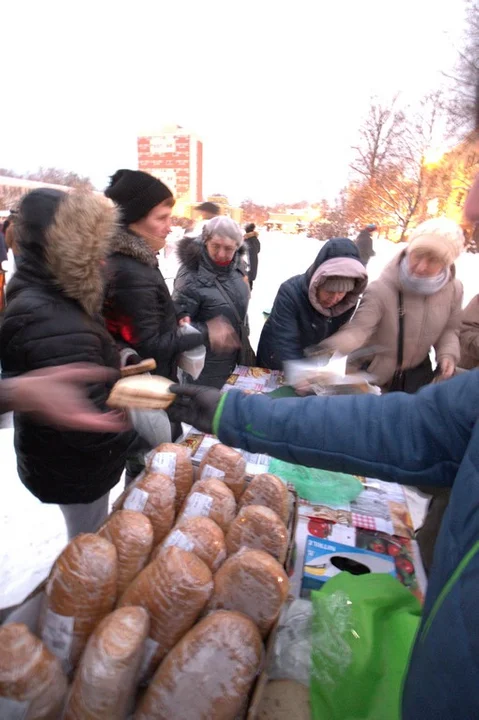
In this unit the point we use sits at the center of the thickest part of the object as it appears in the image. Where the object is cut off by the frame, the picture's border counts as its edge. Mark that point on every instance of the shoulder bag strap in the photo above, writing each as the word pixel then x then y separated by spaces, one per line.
pixel 401 331
pixel 229 301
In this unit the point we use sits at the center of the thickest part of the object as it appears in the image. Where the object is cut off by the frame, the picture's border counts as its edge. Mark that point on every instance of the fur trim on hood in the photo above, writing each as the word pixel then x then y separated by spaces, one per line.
pixel 190 250
pixel 127 243
pixel 76 242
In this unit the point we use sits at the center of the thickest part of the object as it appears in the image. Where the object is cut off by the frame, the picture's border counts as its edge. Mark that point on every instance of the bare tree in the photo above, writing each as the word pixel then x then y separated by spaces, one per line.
pixel 463 105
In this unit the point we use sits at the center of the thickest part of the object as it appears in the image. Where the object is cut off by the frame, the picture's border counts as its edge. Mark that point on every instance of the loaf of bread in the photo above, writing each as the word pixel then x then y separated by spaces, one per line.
pixel 199 535
pixel 106 678
pixel 268 490
pixel 253 583
pixel 175 461
pixel 154 496
pixel 131 533
pixel 208 674
pixel 259 528
pixel 225 464
pixel 145 392
pixel 80 591
pixel 210 498
pixel 32 683
pixel 284 700
pixel 174 589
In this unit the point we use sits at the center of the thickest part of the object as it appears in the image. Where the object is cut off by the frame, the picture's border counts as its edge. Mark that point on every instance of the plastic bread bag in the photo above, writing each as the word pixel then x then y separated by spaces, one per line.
pixel 291 658
pixel 192 361
pixel 152 425
pixel 324 375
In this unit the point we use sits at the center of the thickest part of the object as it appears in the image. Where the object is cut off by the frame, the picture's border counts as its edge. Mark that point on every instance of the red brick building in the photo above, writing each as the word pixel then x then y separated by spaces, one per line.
pixel 175 156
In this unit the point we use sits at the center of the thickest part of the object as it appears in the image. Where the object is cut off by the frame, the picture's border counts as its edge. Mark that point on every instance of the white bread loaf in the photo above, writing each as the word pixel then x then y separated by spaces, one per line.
pixel 107 676
pixel 154 495
pixel 284 700
pixel 208 674
pixel 259 528
pixel 201 536
pixel 268 490
pixel 253 583
pixel 145 392
pixel 224 463
pixel 175 461
pixel 80 591
pixel 174 589
pixel 210 498
pixel 132 534
pixel 32 683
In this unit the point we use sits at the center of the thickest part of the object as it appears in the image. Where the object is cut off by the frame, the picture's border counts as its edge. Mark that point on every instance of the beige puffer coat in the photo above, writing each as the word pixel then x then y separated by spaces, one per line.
pixel 469 335
pixel 429 321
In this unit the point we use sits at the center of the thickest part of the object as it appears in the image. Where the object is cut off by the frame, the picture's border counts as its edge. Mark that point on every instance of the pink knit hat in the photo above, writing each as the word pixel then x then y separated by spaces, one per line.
pixel 439 236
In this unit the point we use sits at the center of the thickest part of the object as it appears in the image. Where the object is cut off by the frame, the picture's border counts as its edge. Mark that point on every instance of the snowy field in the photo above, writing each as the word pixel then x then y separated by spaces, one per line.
pixel 32 534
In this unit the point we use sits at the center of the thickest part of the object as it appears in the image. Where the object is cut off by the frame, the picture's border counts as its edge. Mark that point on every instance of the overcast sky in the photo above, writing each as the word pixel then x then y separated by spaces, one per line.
pixel 276 89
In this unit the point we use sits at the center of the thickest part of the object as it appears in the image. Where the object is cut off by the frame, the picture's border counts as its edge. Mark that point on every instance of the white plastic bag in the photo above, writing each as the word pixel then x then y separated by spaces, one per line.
pixel 192 361
pixel 153 425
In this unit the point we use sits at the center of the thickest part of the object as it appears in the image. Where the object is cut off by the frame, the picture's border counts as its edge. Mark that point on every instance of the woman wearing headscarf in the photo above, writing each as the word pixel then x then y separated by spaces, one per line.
pixel 212 282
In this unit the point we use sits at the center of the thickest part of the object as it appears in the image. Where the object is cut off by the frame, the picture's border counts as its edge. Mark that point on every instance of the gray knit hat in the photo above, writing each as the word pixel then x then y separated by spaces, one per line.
pixel 338 284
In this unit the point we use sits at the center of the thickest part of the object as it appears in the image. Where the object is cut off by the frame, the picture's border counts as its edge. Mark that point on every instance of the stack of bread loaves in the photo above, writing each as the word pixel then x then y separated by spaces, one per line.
pixel 176 592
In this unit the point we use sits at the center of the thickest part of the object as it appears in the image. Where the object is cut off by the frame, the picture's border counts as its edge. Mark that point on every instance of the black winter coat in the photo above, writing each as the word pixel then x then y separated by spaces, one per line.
pixel 52 318
pixel 138 307
pixel 196 295
pixel 294 324
pixel 254 248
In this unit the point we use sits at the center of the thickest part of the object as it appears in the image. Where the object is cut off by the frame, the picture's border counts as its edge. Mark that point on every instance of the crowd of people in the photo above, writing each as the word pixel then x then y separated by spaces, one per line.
pixel 88 290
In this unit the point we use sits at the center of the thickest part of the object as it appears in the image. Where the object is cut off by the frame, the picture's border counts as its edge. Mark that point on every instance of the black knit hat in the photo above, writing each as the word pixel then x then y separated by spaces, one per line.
pixel 136 193
pixel 209 207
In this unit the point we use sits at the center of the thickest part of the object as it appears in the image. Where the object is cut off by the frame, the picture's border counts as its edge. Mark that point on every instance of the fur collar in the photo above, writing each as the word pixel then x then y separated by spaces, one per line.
pixel 127 243
pixel 190 251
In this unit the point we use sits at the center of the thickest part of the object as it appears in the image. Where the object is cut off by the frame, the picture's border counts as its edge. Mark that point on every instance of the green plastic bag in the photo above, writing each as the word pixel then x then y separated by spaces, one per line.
pixel 363 631
pixel 322 487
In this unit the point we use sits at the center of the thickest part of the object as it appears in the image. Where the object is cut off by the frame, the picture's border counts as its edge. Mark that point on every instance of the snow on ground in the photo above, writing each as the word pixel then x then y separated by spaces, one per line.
pixel 32 534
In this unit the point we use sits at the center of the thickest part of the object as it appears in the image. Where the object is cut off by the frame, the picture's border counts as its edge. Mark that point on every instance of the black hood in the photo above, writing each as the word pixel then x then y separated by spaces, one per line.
pixel 334 248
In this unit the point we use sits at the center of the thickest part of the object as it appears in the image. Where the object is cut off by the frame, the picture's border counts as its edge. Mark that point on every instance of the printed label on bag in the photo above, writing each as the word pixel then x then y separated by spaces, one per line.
pixel 57 634
pixel 136 500
pixel 211 472
pixel 13 709
pixel 198 505
pixel 151 646
pixel 164 462
pixel 179 539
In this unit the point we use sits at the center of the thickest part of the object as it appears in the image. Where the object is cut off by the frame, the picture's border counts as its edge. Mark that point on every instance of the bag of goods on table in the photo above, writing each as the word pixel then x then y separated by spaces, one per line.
pixel 80 591
pixel 259 528
pixel 222 653
pixel 175 461
pixel 107 676
pixel 213 499
pixel 32 683
pixel 199 535
pixel 154 496
pixel 224 463
pixel 270 491
pixel 253 583
pixel 284 700
pixel 132 535
pixel 174 589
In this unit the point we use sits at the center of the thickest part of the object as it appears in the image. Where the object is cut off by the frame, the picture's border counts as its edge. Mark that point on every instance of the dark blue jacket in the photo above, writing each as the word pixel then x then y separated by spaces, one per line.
pixel 294 324
pixel 438 444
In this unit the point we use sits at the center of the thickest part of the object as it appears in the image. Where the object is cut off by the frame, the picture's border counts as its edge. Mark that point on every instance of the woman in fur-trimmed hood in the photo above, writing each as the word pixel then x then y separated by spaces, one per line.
pixel 212 283
pixel 53 317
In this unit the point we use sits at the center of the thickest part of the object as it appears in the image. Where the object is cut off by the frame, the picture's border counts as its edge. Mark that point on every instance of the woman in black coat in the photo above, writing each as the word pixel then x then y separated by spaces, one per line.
pixel 212 282
pixel 253 245
pixel 310 307
pixel 52 318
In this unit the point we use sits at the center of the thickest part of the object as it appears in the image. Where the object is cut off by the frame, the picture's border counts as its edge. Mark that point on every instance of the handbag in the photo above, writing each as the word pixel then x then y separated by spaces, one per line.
pixel 246 355
pixel 412 379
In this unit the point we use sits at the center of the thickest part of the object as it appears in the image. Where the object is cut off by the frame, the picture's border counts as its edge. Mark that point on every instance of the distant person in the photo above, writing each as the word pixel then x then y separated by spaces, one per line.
pixel 469 335
pixel 253 247
pixel 211 284
pixel 313 306
pixel 364 242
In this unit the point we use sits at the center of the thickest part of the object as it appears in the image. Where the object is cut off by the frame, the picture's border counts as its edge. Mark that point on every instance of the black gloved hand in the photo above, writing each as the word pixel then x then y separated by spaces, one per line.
pixel 195 405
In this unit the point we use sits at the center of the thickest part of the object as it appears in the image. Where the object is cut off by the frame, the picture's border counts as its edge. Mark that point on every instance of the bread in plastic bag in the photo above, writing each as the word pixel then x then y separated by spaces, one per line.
pixel 210 498
pixel 175 461
pixel 174 589
pixel 80 591
pixel 199 535
pixel 154 494
pixel 253 583
pixel 268 490
pixel 224 463
pixel 208 674
pixel 32 683
pixel 284 700
pixel 131 533
pixel 259 528
pixel 106 679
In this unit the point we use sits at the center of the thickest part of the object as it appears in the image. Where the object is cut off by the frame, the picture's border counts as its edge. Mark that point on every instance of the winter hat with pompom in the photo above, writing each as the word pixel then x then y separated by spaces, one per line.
pixel 440 236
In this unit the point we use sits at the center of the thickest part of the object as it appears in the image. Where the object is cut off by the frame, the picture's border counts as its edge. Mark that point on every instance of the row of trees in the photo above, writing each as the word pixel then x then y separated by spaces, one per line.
pixel 9 196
